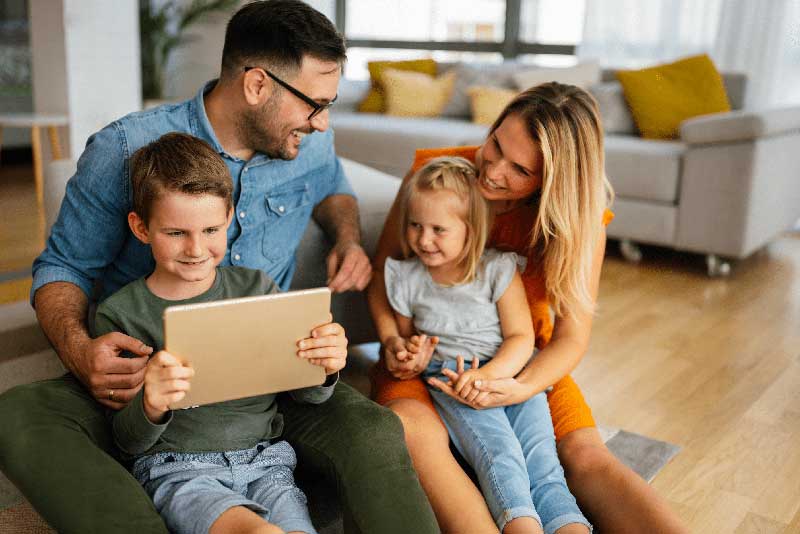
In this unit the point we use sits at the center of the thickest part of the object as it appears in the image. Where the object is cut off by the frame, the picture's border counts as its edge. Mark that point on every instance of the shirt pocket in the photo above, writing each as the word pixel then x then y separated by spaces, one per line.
pixel 288 210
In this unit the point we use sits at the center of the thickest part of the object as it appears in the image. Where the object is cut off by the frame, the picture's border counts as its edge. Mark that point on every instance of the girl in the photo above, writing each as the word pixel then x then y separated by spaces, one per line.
pixel 473 303
pixel 541 168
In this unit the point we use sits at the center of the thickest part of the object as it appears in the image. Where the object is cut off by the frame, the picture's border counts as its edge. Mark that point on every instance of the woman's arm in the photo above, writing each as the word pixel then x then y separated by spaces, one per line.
pixel 569 342
pixel 562 354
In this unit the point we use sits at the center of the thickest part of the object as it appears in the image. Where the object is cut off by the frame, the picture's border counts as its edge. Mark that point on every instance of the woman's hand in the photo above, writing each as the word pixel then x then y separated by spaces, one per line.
pixel 485 393
pixel 407 358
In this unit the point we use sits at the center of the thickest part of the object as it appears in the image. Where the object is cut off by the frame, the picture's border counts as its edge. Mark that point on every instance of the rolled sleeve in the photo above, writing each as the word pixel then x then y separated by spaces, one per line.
pixel 92 226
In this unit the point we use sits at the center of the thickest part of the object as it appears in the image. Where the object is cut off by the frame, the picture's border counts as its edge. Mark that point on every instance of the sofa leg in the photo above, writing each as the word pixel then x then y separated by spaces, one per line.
pixel 630 251
pixel 716 266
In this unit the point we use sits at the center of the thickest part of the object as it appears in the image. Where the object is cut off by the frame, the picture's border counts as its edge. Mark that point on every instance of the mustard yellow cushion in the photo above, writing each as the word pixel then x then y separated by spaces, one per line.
pixel 415 94
pixel 662 97
pixel 373 102
pixel 487 103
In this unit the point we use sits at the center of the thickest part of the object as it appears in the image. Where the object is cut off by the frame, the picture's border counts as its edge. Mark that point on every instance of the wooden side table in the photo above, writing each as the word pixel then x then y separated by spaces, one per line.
pixel 37 121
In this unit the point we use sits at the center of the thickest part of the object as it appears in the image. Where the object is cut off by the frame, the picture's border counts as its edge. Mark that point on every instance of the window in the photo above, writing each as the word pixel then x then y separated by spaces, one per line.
pixel 542 31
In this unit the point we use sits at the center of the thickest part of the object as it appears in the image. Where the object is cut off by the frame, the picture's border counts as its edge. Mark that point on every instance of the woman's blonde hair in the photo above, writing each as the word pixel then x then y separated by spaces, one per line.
pixel 459 176
pixel 565 122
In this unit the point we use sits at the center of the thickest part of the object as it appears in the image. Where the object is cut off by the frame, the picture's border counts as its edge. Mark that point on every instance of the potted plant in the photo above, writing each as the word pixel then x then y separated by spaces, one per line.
pixel 162 26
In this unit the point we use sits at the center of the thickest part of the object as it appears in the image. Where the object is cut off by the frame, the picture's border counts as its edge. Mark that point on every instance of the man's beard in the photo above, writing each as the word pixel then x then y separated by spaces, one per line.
pixel 261 130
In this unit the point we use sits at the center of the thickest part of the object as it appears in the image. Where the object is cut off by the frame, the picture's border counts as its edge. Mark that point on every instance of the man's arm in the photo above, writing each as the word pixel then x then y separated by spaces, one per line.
pixel 349 267
pixel 61 309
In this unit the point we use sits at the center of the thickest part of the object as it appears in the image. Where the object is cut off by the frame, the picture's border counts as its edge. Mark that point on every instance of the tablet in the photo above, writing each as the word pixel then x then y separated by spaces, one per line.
pixel 246 346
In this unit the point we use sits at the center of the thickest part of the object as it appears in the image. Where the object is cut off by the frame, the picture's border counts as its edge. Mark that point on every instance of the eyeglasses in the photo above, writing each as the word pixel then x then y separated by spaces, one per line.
pixel 318 108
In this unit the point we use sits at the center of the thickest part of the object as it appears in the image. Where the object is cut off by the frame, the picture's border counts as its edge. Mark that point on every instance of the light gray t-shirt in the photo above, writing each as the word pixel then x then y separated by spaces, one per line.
pixel 464 316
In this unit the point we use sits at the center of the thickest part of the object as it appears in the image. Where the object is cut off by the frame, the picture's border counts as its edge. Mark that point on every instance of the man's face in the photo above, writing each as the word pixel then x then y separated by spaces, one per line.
pixel 277 127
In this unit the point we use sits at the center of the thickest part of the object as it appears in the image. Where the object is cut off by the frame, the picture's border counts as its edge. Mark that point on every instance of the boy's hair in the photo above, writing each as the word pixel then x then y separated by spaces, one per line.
pixel 177 162
pixel 565 122
pixel 277 34
pixel 457 175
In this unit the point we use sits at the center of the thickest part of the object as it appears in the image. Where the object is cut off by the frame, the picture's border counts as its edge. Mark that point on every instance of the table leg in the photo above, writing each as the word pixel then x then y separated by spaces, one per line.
pixel 36 146
pixel 55 146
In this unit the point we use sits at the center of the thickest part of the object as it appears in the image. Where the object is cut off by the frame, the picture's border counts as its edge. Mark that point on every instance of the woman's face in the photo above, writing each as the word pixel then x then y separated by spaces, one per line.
pixel 509 163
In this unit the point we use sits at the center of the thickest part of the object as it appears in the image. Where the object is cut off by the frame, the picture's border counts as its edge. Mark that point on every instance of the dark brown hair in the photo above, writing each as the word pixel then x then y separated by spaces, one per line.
pixel 180 163
pixel 276 34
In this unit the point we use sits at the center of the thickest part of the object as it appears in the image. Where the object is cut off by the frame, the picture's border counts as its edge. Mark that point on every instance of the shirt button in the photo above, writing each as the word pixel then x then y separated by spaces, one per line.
pixel 245 170
pixel 242 215
pixel 237 257
pixel 281 209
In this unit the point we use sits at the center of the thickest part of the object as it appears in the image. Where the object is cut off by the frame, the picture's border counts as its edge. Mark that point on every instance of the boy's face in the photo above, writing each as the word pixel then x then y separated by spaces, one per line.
pixel 187 235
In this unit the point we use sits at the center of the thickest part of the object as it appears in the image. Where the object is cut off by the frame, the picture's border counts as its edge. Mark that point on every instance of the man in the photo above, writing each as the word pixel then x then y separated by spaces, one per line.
pixel 267 117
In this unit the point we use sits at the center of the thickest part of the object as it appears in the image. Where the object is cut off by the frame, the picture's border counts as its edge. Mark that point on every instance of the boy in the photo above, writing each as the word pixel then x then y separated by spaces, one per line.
pixel 215 468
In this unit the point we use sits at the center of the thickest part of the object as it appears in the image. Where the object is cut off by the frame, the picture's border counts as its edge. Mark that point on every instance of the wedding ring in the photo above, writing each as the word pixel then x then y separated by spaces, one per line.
pixel 111 395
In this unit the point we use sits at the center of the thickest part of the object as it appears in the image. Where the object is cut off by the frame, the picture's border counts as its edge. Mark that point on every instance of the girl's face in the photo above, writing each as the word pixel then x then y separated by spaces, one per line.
pixel 509 163
pixel 436 231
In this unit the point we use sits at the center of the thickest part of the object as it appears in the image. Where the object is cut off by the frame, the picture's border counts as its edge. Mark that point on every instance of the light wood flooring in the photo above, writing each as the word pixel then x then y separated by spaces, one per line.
pixel 712 365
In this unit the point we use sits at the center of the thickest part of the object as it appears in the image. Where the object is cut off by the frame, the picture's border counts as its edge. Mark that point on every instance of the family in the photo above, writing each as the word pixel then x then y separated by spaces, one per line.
pixel 208 199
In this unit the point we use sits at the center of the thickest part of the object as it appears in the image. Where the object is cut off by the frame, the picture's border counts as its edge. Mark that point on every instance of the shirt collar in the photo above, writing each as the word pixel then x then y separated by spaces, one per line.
pixel 202 126
pixel 204 130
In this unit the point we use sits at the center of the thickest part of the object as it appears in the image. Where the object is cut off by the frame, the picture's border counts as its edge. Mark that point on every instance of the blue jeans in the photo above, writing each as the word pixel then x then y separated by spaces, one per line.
pixel 192 490
pixel 513 452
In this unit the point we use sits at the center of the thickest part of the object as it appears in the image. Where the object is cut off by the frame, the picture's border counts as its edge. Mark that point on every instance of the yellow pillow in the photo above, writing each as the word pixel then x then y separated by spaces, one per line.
pixel 373 102
pixel 414 94
pixel 487 103
pixel 663 96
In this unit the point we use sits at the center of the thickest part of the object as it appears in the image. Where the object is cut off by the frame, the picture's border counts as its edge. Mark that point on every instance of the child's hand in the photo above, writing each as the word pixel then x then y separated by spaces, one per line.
pixel 461 382
pixel 406 358
pixel 327 347
pixel 166 381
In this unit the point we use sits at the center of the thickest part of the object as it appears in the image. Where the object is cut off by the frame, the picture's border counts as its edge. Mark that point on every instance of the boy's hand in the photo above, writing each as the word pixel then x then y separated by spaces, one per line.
pixel 166 381
pixel 327 347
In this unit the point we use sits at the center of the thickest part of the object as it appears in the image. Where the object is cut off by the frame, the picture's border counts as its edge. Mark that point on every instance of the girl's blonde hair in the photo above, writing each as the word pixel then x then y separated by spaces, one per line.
pixel 565 122
pixel 459 176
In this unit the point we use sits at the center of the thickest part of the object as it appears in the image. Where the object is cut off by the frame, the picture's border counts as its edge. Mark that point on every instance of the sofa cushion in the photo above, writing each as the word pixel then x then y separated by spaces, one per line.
pixel 583 75
pixel 416 94
pixel 486 103
pixel 472 74
pixel 663 96
pixel 616 116
pixel 373 102
pixel 388 143
pixel 644 169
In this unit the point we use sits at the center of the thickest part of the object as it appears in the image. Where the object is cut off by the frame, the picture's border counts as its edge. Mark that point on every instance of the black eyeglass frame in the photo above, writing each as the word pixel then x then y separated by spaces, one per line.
pixel 318 108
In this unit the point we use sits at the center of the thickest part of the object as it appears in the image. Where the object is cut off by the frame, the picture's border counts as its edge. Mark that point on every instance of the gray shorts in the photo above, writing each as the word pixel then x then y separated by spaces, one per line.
pixel 191 490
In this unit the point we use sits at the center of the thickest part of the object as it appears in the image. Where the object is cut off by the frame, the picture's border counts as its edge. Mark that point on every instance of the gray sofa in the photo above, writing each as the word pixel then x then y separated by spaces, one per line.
pixel 724 189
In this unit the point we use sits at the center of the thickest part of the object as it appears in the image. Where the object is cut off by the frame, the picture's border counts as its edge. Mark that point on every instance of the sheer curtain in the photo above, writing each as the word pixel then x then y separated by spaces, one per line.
pixel 760 38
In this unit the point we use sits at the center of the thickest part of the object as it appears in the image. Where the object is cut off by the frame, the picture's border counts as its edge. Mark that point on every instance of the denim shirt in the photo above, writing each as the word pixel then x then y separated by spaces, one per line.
pixel 273 201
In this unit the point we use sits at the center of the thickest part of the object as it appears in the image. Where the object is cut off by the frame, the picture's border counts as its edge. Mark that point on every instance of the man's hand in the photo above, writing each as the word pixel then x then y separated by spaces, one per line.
pixel 406 358
pixel 166 382
pixel 112 379
pixel 349 267
pixel 327 347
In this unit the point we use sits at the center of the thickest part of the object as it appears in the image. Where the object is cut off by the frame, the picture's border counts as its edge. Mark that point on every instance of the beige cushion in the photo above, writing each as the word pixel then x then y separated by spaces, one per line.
pixel 583 75
pixel 416 94
pixel 487 103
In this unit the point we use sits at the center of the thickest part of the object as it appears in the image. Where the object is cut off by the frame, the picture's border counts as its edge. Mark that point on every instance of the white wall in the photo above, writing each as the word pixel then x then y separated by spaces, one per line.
pixel 85 63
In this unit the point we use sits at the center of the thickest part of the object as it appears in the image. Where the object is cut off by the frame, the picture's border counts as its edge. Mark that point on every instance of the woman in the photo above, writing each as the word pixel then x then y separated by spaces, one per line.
pixel 541 169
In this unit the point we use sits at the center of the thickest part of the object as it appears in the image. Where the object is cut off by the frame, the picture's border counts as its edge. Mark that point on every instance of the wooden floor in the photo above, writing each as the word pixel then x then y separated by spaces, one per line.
pixel 710 364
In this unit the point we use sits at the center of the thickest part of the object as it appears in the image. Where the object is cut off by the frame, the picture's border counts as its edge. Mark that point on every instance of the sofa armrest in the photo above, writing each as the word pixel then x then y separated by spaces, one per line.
pixel 740 125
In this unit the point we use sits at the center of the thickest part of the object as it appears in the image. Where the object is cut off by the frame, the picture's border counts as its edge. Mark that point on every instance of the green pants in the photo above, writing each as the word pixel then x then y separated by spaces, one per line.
pixel 56 446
